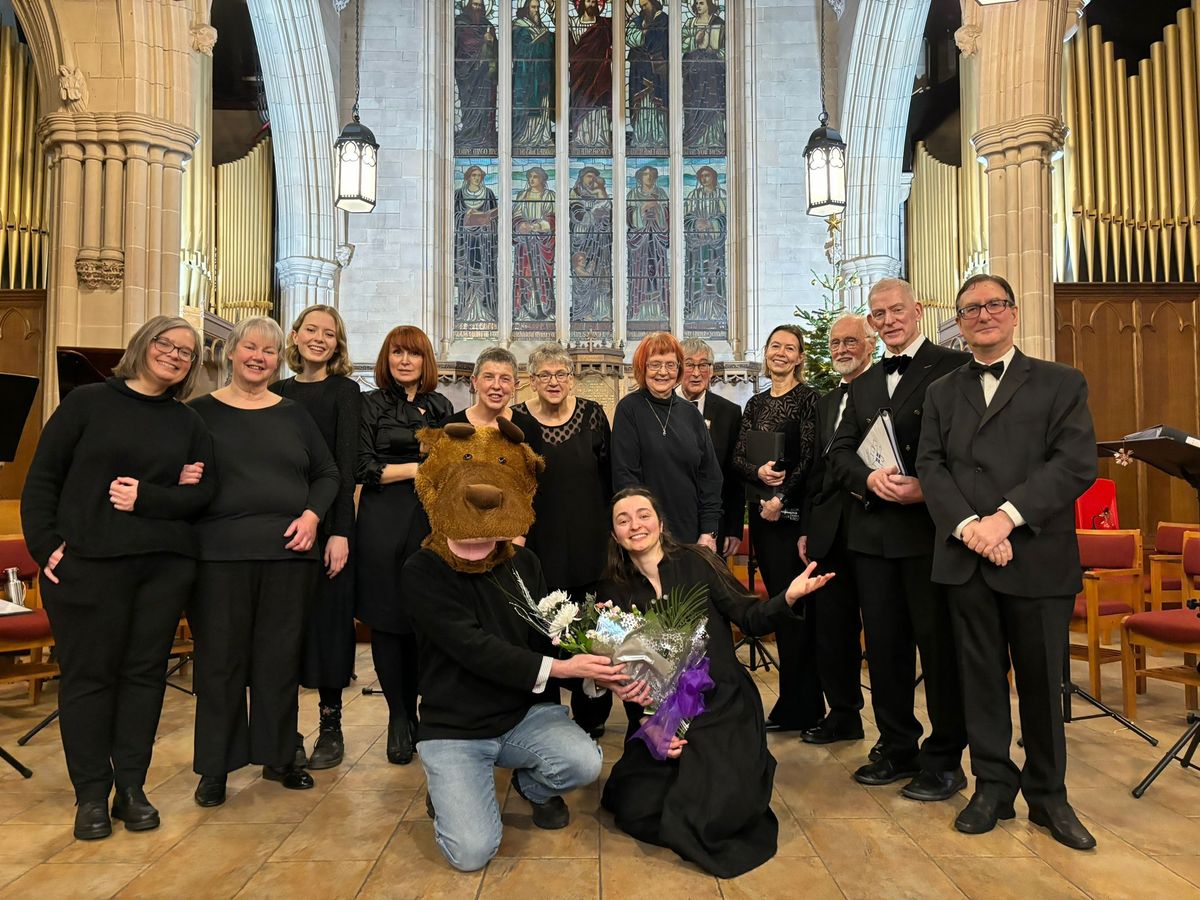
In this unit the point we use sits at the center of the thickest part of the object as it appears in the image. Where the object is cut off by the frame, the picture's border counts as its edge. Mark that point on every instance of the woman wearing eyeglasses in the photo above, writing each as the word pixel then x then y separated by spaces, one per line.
pixel 660 442
pixel 106 511
pixel 571 506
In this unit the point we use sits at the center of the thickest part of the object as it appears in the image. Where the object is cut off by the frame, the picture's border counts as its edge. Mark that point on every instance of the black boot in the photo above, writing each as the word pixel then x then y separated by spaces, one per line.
pixel 329 749
pixel 399 741
pixel 132 808
pixel 210 791
pixel 301 758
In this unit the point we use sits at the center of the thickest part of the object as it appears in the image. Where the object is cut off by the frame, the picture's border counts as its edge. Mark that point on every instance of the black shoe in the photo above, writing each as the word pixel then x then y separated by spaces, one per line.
pixel 828 733
pixel 772 726
pixel 549 815
pixel 981 814
pixel 885 771
pixel 429 806
pixel 300 760
pixel 291 777
pixel 596 733
pixel 934 786
pixel 132 808
pixel 92 821
pixel 399 741
pixel 210 791
pixel 329 748
pixel 876 753
pixel 1064 825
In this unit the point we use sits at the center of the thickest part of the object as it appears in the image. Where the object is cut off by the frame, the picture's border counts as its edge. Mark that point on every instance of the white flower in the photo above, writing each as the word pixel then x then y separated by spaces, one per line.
pixel 549 604
pixel 563 618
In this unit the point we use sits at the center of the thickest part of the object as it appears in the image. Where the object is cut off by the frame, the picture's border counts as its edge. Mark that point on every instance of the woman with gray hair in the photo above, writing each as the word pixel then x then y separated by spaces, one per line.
pixel 105 513
pixel 259 566
pixel 494 382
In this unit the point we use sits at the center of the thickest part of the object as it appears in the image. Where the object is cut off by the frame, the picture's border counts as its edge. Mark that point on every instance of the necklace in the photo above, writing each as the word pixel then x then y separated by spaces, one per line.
pixel 670 408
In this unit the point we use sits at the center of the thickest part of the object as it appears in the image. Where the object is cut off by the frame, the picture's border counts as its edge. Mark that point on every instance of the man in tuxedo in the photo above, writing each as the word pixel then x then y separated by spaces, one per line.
pixel 834 608
pixel 724 419
pixel 1007 447
pixel 891 540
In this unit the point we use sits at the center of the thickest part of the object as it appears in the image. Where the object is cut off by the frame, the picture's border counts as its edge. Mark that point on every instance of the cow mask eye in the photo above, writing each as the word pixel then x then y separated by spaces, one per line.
pixel 466 456
pixel 502 460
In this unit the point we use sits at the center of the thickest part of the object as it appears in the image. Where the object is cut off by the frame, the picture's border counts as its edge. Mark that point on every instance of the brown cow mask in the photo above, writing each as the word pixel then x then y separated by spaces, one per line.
pixel 477 486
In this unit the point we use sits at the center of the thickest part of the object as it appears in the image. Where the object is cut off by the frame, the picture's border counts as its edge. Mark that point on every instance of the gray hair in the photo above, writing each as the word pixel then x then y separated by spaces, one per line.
pixel 891 284
pixel 258 324
pixel 695 346
pixel 860 321
pixel 133 361
pixel 549 353
pixel 495 355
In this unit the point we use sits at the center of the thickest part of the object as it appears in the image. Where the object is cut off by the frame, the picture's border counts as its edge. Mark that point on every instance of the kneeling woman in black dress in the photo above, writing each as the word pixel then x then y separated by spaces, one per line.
pixel 710 800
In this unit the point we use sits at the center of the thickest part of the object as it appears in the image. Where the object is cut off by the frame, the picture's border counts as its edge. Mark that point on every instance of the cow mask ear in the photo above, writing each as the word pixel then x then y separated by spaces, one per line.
pixel 428 437
pixel 509 430
pixel 459 431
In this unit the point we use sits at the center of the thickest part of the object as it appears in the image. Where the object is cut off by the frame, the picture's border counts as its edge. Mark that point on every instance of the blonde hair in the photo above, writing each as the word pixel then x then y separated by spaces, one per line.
pixel 339 363
pixel 133 360
pixel 260 324
pixel 548 353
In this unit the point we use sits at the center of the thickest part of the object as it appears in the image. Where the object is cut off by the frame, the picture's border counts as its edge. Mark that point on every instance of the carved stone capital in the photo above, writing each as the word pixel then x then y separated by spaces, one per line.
pixel 95 274
pixel 1028 136
pixel 343 254
pixel 72 87
pixel 967 39
pixel 305 271
pixel 204 38
pixel 340 5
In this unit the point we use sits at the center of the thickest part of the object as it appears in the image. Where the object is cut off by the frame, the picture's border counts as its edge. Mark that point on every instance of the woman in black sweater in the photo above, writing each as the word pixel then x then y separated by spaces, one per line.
pixel 105 512
pixel 391 521
pixel 317 350
pixel 259 567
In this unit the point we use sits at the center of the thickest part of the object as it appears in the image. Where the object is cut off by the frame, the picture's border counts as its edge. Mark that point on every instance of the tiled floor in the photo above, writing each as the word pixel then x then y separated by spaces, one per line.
pixel 363 830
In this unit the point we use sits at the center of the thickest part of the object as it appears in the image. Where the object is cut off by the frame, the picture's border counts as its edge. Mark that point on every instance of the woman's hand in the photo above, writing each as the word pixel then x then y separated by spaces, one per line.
pixel 707 540
pixel 54 560
pixel 805 583
pixel 769 510
pixel 191 473
pixel 123 493
pixel 676 747
pixel 303 532
pixel 337 551
pixel 768 476
pixel 635 692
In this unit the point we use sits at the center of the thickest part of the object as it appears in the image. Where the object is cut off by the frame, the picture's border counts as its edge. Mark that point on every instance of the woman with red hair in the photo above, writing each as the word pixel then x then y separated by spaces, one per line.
pixel 660 441
pixel 391 521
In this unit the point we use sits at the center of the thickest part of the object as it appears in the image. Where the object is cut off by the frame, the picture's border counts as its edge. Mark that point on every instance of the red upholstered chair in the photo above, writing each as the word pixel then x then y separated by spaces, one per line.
pixel 1166 571
pixel 25 639
pixel 1168 629
pixel 1096 508
pixel 1112 589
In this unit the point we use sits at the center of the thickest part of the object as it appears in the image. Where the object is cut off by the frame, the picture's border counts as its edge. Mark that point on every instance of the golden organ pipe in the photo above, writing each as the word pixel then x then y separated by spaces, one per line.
pixel 1191 137
pixel 1069 162
pixel 17 128
pixel 1137 174
pixel 1124 206
pixel 7 76
pixel 1108 214
pixel 1175 146
pixel 1150 164
pixel 1100 157
pixel 1162 155
pixel 27 198
pixel 1084 100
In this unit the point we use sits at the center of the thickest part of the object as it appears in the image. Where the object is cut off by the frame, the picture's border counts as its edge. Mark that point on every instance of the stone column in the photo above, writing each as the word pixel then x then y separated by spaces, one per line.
pixel 303 281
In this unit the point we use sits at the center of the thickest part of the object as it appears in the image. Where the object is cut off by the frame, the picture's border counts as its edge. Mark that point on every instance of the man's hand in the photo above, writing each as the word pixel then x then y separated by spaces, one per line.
pixel 303 532
pixel 1002 555
pixel 586 665
pixel 54 560
pixel 879 482
pixel 906 488
pixel 123 493
pixel 985 535
pixel 802 548
pixel 731 545
pixel 769 510
pixel 707 540
pixel 337 551
pixel 191 473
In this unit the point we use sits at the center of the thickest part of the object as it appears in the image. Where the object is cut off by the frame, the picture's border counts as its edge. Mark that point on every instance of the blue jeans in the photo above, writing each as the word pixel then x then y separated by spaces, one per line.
pixel 551 754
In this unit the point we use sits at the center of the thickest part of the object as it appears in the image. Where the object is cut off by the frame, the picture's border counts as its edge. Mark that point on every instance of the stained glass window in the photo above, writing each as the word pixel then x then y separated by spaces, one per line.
pixel 648 245
pixel 705 236
pixel 534 110
pixel 475 248
pixel 591 212
pixel 533 222
pixel 647 77
pixel 704 79
pixel 590 73
pixel 476 63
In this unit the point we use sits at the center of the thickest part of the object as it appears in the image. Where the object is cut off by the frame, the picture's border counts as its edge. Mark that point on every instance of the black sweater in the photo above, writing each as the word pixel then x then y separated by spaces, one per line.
pixel 479 658
pixel 101 432
pixel 273 465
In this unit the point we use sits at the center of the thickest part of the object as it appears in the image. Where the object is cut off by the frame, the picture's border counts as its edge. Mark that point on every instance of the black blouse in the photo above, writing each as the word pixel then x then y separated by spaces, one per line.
pixel 793 414
pixel 388 430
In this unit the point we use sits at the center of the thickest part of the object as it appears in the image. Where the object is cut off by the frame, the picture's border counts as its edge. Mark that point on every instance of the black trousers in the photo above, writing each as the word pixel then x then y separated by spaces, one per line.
pixel 248 618
pixel 903 611
pixel 837 624
pixel 989 627
pixel 800 704
pixel 396 667
pixel 114 621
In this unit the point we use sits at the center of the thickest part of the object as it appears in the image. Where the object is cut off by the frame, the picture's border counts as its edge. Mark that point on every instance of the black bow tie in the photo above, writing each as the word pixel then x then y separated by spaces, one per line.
pixel 894 364
pixel 978 368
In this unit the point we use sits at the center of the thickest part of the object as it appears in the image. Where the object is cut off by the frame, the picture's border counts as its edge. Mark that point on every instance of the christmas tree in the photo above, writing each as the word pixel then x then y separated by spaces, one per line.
pixel 818 368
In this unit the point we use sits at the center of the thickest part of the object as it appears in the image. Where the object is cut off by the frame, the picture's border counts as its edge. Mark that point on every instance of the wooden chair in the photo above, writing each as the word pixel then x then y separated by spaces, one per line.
pixel 1096 507
pixel 1167 629
pixel 1112 589
pixel 25 640
pixel 1166 570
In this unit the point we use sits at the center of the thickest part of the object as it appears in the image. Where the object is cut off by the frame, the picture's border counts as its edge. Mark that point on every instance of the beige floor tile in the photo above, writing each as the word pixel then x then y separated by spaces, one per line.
pixel 793 842
pixel 1009 879
pixel 32 843
pixel 872 858
pixel 631 870
pixel 827 791
pixel 362 777
pixel 783 879
pixel 66 882
pixel 179 817
pixel 411 866
pixel 1187 866
pixel 931 826
pixel 329 880
pixel 212 861
pixel 1145 824
pixel 364 823
pixel 546 879
pixel 10 872
pixel 39 809
pixel 522 839
pixel 265 802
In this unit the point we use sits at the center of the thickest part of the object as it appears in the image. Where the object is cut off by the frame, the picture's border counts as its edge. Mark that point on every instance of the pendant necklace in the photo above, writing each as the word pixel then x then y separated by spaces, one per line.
pixel 670 409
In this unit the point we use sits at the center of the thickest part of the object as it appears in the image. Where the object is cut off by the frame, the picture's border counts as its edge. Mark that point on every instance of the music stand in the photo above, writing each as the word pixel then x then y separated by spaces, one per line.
pixel 1177 456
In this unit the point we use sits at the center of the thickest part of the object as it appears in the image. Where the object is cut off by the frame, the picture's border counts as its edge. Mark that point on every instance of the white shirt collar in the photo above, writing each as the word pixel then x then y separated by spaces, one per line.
pixel 699 401
pixel 910 350
pixel 1007 358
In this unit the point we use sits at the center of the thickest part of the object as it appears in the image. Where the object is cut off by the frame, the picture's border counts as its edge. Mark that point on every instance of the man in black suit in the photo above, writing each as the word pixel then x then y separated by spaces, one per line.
pixel 827 512
pixel 724 419
pixel 891 539
pixel 1007 447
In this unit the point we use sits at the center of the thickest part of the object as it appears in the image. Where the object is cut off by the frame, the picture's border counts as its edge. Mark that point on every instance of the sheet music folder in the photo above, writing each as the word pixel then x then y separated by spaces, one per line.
pixel 878 448
pixel 764 447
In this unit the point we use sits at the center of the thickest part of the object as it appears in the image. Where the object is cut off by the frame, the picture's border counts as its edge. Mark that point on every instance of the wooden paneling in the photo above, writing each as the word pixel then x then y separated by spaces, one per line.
pixel 1137 344
pixel 22 337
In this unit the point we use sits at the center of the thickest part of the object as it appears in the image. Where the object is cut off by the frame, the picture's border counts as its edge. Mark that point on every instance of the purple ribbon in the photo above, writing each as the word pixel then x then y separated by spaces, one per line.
pixel 686 701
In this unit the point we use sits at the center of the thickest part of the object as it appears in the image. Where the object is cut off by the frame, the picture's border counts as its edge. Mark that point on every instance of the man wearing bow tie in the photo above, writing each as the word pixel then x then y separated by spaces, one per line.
pixel 890 537
pixel 1007 448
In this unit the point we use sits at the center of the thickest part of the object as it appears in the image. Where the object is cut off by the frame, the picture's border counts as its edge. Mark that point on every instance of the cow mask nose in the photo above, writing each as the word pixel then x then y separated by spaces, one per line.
pixel 484 496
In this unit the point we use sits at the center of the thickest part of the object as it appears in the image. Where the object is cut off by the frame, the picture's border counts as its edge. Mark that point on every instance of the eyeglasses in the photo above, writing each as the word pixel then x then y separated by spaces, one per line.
pixel 668 366
pixel 690 366
pixel 547 377
pixel 850 344
pixel 994 308
pixel 166 346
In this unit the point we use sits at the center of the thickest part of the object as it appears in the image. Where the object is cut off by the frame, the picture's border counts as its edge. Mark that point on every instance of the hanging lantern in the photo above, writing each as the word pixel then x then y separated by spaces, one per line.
pixel 825 170
pixel 356 150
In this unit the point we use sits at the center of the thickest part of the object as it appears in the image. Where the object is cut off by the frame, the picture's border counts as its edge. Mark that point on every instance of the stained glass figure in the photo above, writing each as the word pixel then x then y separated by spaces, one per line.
pixel 476 63
pixel 591 212
pixel 647 42
pixel 704 35
pixel 591 78
pixel 533 232
pixel 648 246
pixel 533 106
pixel 705 239
pixel 475 247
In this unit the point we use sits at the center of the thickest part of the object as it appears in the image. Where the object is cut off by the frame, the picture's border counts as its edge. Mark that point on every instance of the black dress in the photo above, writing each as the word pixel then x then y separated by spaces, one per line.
pixel 334 403
pixel 712 806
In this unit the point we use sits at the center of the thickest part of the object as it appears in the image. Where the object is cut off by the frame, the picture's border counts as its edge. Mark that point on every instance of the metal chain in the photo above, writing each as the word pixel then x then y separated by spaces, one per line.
pixel 824 117
pixel 357 54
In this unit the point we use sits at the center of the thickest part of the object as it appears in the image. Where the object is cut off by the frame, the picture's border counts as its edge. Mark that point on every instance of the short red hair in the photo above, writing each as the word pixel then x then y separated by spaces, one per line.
pixel 656 344
pixel 414 340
